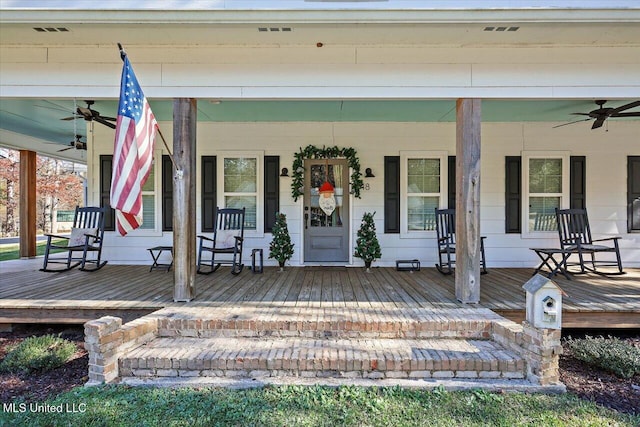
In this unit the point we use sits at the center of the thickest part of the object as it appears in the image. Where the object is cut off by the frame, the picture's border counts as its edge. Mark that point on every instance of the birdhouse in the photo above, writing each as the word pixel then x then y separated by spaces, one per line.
pixel 544 303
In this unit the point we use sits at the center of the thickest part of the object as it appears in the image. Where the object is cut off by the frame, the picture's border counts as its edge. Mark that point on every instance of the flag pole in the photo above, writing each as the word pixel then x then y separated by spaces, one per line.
pixel 123 55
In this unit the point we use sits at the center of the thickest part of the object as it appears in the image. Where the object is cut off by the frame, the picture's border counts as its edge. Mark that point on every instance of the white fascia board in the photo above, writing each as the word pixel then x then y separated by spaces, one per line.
pixel 314 16
pixel 313 4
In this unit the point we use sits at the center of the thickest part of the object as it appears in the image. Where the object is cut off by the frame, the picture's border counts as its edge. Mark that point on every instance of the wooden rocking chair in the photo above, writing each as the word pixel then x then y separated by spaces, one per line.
pixel 87 235
pixel 575 236
pixel 446 234
pixel 228 237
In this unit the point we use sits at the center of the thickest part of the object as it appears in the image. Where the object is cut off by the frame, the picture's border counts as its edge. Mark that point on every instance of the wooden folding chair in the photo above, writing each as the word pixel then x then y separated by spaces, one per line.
pixel 87 235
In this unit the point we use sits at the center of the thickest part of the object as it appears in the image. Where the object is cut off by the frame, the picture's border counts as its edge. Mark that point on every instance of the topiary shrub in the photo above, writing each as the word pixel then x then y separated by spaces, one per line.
pixel 611 354
pixel 38 354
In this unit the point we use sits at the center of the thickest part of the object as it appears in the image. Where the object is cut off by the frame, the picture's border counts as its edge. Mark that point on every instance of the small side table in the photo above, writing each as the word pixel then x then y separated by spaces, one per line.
pixel 547 255
pixel 155 252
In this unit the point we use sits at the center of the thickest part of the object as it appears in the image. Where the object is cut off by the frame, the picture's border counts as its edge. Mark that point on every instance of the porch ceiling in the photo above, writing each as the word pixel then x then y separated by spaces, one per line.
pixel 37 121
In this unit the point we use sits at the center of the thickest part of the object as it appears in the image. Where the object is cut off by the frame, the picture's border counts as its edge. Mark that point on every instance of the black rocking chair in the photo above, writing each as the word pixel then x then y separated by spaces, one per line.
pixel 446 234
pixel 87 235
pixel 228 237
pixel 575 236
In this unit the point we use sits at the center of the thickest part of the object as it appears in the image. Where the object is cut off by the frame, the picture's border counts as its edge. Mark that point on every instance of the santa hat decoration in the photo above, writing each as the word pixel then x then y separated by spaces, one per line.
pixel 326 188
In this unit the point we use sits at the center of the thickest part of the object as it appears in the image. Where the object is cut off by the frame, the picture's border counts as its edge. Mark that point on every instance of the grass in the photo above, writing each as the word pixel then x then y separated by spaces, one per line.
pixel 311 406
pixel 12 250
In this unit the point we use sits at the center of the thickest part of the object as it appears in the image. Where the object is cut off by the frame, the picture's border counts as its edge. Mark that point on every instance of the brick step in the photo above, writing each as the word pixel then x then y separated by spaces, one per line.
pixel 336 322
pixel 337 358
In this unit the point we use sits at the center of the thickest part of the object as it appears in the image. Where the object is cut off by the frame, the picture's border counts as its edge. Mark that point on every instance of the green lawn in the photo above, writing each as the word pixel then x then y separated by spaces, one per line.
pixel 12 251
pixel 309 406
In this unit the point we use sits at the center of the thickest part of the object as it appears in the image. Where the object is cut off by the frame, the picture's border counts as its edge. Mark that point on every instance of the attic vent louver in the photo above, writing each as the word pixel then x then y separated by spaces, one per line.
pixel 501 29
pixel 51 29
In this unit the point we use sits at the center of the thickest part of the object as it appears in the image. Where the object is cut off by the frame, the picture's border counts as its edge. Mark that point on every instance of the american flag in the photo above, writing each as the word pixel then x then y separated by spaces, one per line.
pixel 132 151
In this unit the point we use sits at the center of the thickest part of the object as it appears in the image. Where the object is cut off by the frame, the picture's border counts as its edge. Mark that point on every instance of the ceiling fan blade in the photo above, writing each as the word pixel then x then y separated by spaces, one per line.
pixel 626 114
pixel 65 149
pixel 111 119
pixel 72 118
pixel 570 123
pixel 625 107
pixel 104 122
pixel 579 114
pixel 598 123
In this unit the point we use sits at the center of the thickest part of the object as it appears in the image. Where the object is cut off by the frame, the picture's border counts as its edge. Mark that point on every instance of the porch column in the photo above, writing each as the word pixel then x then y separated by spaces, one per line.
pixel 184 199
pixel 27 204
pixel 468 122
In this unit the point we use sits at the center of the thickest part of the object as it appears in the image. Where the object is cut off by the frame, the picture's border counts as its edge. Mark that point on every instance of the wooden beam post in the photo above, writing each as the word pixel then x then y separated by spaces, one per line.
pixel 468 123
pixel 27 204
pixel 184 199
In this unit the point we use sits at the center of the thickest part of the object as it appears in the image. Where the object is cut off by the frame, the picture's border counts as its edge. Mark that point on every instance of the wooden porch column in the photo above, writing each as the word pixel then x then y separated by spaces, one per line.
pixel 27 204
pixel 184 199
pixel 468 122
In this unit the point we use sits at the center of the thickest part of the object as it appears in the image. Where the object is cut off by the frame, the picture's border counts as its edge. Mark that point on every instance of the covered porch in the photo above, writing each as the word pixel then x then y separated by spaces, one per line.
pixel 30 296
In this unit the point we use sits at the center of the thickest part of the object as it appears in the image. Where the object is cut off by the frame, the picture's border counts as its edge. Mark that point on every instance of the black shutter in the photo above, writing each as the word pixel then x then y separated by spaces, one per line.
pixel 451 182
pixel 633 194
pixel 271 191
pixel 392 194
pixel 209 195
pixel 578 183
pixel 513 196
pixel 106 168
pixel 167 193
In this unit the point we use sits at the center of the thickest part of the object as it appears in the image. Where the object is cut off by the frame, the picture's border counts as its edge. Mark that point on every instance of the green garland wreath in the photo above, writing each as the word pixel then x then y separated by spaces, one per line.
pixel 313 152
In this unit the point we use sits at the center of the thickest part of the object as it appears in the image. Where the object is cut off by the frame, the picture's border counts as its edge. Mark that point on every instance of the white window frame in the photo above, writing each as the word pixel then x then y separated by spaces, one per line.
pixel 259 156
pixel 442 156
pixel 564 195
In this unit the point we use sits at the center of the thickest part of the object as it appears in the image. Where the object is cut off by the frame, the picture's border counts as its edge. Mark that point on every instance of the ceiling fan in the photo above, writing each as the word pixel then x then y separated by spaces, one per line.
pixel 89 115
pixel 77 144
pixel 602 113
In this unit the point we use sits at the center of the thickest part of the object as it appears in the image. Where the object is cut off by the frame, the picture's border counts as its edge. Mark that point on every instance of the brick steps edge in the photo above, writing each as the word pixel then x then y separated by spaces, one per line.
pixel 331 358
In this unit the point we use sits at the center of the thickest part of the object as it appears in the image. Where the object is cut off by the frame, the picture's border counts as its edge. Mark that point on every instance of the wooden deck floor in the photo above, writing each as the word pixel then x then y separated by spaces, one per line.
pixel 28 295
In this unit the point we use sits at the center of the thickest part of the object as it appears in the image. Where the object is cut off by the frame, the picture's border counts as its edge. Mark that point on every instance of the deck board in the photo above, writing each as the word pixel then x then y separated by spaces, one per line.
pixel 591 300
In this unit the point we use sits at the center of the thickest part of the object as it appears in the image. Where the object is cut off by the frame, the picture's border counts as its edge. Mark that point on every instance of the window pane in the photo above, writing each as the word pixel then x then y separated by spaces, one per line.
pixel 248 202
pixel 545 175
pixel 240 175
pixel 542 214
pixel 149 185
pixel 421 212
pixel 148 212
pixel 423 175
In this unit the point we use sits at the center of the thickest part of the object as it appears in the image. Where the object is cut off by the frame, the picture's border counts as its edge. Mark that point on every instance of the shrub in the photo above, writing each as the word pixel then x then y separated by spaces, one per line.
pixel 38 354
pixel 611 354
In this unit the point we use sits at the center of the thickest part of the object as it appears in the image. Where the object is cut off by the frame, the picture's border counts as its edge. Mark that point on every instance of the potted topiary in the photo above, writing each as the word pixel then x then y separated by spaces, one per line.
pixel 281 248
pixel 367 246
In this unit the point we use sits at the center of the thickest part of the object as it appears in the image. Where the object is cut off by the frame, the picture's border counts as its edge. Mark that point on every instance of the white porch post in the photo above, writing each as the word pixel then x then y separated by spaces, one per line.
pixel 184 198
pixel 468 123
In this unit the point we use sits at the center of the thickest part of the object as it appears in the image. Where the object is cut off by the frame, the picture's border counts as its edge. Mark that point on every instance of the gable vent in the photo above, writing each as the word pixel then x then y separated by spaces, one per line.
pixel 275 29
pixel 501 29
pixel 51 29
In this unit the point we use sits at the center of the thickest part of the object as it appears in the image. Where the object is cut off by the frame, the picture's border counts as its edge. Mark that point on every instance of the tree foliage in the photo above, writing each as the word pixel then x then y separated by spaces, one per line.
pixel 58 186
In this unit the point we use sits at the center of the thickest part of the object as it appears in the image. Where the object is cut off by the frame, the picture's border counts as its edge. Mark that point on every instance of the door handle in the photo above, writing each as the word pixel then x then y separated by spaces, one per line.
pixel 306 220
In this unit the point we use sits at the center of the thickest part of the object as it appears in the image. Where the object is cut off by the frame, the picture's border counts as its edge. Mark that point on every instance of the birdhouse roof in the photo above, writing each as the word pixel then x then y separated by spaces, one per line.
pixel 537 282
